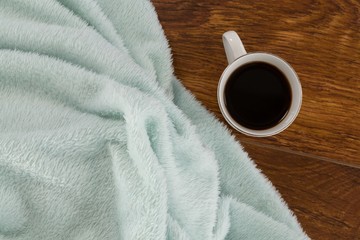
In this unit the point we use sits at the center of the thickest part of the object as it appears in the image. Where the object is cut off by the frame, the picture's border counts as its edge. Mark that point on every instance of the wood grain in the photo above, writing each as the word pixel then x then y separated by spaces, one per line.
pixel 324 196
pixel 321 40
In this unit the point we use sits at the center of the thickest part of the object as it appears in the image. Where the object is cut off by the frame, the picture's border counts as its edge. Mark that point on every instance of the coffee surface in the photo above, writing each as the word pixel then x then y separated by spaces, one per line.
pixel 257 95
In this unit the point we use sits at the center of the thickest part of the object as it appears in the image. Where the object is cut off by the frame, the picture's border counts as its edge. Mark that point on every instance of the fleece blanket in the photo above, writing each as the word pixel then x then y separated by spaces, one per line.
pixel 99 140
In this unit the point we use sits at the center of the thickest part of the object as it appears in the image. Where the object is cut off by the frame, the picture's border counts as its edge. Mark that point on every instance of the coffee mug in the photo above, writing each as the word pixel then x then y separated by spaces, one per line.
pixel 259 94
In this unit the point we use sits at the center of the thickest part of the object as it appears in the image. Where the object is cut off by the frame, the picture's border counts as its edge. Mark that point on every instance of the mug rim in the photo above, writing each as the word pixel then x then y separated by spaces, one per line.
pixel 291 77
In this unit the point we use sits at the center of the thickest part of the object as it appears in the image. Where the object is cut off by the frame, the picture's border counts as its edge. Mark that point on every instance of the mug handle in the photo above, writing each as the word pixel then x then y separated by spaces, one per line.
pixel 233 46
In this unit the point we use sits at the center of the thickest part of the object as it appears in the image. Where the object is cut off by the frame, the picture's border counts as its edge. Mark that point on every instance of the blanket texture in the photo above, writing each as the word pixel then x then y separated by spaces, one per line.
pixel 99 140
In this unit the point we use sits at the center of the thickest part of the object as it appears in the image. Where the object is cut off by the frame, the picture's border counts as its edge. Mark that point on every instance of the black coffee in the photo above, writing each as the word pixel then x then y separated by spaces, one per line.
pixel 257 95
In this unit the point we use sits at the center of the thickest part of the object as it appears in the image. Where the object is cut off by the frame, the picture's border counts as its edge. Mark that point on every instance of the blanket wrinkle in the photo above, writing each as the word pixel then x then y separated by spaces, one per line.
pixel 100 140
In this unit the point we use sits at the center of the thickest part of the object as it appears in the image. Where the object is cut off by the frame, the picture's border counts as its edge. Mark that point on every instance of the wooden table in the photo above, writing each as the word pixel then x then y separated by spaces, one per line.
pixel 315 163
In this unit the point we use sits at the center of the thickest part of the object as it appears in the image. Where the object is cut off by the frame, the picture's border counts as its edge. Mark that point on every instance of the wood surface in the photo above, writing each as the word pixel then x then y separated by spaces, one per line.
pixel 321 40
pixel 324 197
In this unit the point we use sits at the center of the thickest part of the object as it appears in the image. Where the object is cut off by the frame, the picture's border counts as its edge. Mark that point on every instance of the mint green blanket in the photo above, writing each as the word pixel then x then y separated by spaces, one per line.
pixel 99 140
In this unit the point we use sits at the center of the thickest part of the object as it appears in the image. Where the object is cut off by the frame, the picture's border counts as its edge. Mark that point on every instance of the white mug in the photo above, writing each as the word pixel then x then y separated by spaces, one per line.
pixel 237 57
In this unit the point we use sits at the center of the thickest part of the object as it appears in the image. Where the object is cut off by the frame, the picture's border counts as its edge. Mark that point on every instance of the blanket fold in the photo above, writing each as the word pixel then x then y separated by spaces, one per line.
pixel 99 139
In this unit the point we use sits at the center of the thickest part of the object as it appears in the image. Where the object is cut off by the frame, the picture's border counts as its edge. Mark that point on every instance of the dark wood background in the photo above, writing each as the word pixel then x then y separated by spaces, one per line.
pixel 315 163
